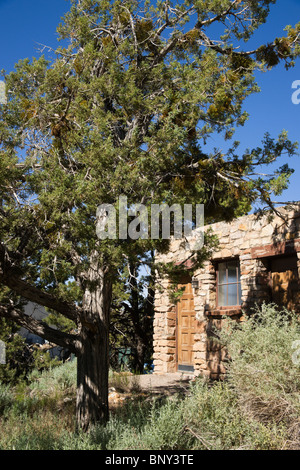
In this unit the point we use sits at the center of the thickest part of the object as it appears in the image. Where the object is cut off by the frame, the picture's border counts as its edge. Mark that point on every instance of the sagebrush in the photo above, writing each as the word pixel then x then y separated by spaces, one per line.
pixel 257 406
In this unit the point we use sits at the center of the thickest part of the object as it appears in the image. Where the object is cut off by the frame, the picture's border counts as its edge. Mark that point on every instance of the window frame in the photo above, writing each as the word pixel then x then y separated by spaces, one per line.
pixel 226 284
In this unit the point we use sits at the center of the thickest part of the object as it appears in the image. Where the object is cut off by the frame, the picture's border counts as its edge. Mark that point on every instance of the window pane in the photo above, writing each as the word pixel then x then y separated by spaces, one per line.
pixel 232 277
pixel 229 288
pixel 232 294
pixel 222 273
pixel 222 300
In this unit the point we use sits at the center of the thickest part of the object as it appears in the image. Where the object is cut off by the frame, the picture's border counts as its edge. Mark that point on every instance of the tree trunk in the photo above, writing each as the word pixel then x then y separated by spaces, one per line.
pixel 140 354
pixel 92 379
pixel 93 352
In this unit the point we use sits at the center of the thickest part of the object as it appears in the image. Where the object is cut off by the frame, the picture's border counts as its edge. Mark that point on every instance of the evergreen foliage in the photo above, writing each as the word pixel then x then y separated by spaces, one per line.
pixel 124 109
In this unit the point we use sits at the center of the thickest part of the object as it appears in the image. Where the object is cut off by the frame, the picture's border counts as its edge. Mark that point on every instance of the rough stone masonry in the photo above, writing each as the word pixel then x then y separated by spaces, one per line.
pixel 267 251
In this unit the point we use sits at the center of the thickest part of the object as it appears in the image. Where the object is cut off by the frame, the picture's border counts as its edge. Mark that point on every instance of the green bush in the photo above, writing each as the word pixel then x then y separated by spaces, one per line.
pixel 56 379
pixel 6 398
pixel 255 408
pixel 158 427
pixel 262 371
pixel 214 415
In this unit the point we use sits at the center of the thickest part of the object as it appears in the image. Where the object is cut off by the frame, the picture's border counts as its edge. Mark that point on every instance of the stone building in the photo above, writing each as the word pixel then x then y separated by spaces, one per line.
pixel 257 260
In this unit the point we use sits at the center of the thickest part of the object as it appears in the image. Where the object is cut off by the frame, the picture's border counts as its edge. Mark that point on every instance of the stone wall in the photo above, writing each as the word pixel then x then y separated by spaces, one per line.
pixel 252 241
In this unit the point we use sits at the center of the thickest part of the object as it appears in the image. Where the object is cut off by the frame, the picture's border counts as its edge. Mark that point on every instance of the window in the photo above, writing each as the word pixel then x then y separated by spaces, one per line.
pixel 228 284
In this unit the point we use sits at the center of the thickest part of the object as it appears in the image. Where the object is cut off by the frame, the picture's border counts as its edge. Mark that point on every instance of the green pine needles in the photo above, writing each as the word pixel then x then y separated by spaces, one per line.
pixel 124 107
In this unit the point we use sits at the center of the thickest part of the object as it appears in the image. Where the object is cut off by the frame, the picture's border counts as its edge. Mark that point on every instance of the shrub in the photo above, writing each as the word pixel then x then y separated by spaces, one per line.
pixel 214 416
pixel 262 371
pixel 256 408
pixel 56 379
pixel 124 381
pixel 6 399
pixel 210 418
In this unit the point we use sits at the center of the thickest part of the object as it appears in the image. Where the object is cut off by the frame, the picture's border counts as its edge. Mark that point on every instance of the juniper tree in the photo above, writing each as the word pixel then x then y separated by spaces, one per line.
pixel 123 108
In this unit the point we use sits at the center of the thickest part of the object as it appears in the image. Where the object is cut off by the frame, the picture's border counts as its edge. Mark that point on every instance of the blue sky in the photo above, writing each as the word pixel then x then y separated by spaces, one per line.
pixel 25 23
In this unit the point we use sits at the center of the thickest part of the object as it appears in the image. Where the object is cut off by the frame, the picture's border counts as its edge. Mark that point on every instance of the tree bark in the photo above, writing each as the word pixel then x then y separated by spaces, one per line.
pixel 93 352
pixel 92 379
pixel 140 354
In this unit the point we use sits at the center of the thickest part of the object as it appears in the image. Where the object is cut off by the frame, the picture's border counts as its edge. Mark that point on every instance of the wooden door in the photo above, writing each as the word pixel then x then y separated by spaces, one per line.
pixel 285 283
pixel 185 328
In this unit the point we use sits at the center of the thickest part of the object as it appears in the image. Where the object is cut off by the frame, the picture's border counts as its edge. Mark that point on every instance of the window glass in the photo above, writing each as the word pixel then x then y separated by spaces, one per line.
pixel 222 273
pixel 222 295
pixel 232 294
pixel 229 287
pixel 232 276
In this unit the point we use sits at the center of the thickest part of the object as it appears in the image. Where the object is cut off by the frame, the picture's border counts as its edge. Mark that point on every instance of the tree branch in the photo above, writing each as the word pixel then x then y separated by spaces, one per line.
pixel 9 278
pixel 218 17
pixel 40 328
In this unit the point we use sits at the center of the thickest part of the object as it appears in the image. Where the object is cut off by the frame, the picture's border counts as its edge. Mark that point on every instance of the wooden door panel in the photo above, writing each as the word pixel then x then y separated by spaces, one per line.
pixel 185 326
pixel 285 283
